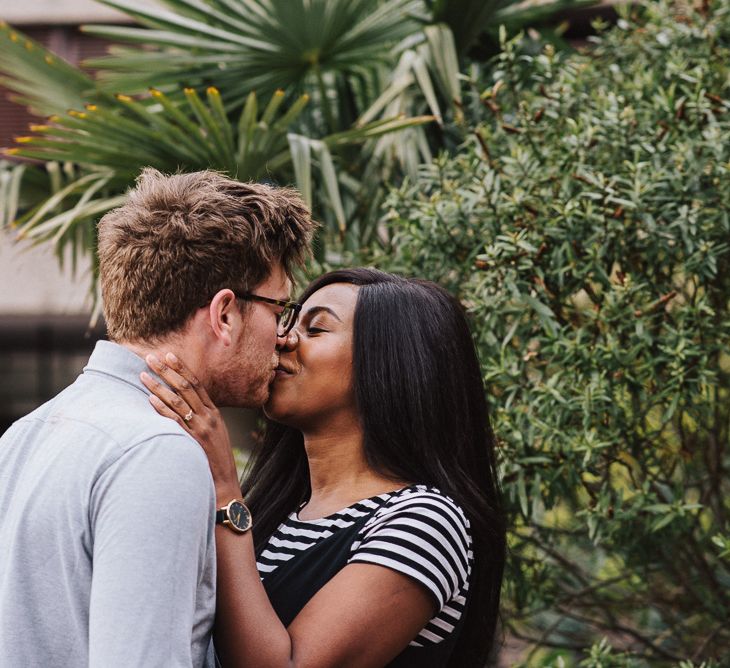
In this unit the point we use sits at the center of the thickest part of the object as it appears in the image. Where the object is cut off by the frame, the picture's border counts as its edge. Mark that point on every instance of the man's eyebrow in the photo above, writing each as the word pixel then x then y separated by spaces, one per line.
pixel 318 309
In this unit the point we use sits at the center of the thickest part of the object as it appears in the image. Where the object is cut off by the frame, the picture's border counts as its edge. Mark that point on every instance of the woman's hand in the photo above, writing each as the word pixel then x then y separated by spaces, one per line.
pixel 187 402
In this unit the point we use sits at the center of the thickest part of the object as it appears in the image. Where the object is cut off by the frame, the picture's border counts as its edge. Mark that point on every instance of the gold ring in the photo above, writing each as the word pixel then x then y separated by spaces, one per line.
pixel 189 416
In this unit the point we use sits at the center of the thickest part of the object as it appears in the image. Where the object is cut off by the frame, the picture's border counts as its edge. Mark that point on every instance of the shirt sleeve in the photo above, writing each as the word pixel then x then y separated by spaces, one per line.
pixel 424 536
pixel 152 517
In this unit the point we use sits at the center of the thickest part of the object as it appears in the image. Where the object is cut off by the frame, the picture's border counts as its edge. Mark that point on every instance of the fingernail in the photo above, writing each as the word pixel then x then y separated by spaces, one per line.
pixel 145 376
pixel 170 357
pixel 152 360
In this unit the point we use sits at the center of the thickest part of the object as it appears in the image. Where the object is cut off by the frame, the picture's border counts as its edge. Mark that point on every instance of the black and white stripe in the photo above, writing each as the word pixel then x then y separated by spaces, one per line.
pixel 294 535
pixel 417 531
pixel 422 533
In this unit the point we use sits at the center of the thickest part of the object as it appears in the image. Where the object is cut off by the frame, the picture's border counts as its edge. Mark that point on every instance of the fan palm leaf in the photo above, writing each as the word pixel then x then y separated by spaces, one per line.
pixel 111 141
pixel 11 176
pixel 41 80
pixel 246 45
pixel 467 19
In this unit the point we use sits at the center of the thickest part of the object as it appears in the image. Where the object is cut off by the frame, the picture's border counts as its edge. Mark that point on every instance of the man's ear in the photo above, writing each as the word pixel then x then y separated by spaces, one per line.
pixel 223 316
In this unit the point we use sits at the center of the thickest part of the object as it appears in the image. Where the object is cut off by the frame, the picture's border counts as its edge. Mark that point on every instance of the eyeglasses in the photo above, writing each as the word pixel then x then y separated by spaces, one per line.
pixel 285 319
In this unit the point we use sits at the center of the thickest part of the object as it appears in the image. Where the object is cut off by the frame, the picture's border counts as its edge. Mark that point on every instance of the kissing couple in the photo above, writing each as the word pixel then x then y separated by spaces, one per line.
pixel 368 529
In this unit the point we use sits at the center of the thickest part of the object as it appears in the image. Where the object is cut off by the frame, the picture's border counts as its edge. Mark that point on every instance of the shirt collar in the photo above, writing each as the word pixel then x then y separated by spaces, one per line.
pixel 113 360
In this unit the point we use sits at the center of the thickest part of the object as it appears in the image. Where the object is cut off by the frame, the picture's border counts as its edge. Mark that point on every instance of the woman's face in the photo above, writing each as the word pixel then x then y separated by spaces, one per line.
pixel 313 382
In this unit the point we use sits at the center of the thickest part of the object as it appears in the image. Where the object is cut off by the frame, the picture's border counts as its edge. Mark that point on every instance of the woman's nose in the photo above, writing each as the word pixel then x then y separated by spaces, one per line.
pixel 288 341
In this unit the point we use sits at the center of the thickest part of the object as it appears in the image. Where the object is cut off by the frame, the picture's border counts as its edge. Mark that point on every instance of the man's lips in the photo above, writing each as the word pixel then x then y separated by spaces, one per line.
pixel 281 369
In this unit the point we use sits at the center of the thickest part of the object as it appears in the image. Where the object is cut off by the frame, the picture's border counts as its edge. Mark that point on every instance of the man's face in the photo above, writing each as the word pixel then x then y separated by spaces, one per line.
pixel 250 366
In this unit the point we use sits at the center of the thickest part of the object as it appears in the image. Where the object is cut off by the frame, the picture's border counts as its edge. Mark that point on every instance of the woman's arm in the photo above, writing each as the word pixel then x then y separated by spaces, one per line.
pixel 365 616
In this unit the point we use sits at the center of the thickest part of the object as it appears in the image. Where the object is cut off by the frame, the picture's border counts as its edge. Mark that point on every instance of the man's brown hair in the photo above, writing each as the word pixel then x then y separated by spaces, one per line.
pixel 180 239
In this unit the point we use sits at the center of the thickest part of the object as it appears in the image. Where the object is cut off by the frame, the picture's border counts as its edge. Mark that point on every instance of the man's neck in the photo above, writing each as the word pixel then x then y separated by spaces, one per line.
pixel 187 353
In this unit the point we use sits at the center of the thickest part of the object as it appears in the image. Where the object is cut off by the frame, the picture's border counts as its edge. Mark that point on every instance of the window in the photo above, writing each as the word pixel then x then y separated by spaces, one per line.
pixel 39 356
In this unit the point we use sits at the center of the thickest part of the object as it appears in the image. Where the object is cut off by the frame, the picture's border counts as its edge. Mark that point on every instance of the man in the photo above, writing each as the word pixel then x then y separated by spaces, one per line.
pixel 107 510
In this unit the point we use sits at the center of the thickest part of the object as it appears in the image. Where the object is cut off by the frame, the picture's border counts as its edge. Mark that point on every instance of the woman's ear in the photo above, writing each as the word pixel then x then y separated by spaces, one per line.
pixel 222 314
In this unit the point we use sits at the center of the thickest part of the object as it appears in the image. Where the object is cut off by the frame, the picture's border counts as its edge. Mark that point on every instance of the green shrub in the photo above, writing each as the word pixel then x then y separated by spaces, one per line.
pixel 585 226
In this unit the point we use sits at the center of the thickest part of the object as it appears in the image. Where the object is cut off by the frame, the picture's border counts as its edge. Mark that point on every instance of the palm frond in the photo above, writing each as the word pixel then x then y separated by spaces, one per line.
pixel 347 88
pixel 11 176
pixel 246 45
pixel 112 142
pixel 467 19
pixel 519 14
pixel 42 80
pixel 444 60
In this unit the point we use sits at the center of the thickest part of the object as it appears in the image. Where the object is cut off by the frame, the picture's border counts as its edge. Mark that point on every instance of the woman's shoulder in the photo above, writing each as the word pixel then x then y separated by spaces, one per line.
pixel 423 501
pixel 424 534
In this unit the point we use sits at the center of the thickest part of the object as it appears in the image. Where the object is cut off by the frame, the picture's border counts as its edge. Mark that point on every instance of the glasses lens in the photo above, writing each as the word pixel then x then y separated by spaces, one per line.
pixel 286 320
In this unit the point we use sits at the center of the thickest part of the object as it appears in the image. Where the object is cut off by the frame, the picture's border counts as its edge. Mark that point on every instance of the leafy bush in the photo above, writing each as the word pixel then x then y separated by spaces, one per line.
pixel 585 226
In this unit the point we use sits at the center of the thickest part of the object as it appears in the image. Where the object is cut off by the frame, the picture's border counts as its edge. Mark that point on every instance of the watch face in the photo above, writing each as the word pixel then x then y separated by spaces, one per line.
pixel 239 516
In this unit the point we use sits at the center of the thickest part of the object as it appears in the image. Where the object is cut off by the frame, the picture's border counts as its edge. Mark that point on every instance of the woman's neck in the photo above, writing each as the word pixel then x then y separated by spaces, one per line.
pixel 339 474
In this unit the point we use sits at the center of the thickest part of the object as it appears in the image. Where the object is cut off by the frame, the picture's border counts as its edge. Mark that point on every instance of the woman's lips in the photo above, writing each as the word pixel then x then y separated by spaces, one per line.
pixel 282 371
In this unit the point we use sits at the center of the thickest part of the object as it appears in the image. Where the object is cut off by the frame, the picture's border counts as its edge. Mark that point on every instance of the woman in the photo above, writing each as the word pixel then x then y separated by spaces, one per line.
pixel 378 525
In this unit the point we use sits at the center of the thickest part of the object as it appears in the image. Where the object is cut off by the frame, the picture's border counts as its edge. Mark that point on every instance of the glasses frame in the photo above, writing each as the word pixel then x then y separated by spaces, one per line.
pixel 295 307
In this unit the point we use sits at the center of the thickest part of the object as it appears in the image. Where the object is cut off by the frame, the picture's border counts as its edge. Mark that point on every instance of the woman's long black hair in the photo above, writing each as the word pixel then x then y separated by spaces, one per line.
pixel 421 401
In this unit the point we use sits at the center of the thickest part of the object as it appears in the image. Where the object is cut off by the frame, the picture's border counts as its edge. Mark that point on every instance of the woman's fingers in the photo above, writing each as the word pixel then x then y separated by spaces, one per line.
pixel 167 403
pixel 177 365
pixel 179 384
pixel 165 396
pixel 186 398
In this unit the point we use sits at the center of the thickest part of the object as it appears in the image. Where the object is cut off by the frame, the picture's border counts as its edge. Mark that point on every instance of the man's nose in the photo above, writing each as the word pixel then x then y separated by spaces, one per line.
pixel 287 341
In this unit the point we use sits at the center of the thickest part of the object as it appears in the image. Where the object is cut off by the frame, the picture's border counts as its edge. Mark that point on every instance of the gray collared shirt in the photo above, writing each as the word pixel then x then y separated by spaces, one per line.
pixel 107 518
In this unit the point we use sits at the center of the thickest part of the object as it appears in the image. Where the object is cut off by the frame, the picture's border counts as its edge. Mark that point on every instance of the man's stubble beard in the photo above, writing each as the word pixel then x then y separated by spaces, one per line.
pixel 243 382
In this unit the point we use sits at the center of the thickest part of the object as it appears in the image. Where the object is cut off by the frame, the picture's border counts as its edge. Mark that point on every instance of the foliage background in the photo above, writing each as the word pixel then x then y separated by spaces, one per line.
pixel 584 223
pixel 311 92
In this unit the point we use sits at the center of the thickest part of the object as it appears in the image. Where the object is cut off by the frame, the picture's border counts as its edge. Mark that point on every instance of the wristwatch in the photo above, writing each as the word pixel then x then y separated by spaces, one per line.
pixel 235 516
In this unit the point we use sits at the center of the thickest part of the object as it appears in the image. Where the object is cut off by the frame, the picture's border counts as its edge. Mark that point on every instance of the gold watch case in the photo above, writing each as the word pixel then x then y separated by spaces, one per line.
pixel 235 515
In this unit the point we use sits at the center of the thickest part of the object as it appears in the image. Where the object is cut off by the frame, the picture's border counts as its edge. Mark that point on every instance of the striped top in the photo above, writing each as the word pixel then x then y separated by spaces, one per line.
pixel 417 531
